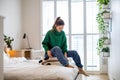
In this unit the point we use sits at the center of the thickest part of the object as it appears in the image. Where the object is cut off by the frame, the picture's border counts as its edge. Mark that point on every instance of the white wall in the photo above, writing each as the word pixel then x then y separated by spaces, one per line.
pixel 11 9
pixel 1 48
pixel 114 60
pixel 32 22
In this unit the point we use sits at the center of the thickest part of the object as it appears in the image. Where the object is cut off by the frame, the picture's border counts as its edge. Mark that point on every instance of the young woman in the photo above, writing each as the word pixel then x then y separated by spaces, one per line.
pixel 55 45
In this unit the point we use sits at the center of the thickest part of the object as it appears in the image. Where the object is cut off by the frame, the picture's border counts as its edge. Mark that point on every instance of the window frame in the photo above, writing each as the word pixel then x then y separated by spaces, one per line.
pixel 70 32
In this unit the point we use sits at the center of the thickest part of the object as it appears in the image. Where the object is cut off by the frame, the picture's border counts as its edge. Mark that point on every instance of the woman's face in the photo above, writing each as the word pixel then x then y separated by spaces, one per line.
pixel 59 28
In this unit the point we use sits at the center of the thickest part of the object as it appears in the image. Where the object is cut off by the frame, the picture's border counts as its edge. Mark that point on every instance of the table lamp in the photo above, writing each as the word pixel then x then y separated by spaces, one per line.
pixel 26 37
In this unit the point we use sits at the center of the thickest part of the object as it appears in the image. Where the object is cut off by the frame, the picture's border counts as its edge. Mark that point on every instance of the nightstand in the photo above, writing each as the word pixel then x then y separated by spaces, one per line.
pixel 33 54
pixel 16 53
pixel 28 54
pixel 20 53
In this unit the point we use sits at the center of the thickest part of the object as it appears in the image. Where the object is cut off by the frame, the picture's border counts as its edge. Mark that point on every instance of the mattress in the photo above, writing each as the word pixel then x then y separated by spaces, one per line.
pixel 32 70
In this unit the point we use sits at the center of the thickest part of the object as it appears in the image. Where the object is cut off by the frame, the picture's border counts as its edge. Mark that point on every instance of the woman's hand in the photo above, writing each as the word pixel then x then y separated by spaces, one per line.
pixel 49 53
pixel 65 54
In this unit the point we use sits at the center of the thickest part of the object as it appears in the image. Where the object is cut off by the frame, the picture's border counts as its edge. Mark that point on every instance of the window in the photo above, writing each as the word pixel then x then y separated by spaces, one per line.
pixel 48 13
pixel 80 27
pixel 62 11
pixel 77 17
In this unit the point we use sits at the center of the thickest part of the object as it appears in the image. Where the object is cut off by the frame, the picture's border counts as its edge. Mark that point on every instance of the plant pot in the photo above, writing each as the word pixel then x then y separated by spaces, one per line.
pixel 106 54
pixel 105 6
pixel 107 42
pixel 7 50
pixel 106 15
pixel 9 46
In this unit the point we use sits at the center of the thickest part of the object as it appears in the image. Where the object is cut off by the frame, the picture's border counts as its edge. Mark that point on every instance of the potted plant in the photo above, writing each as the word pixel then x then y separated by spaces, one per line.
pixel 101 24
pixel 8 41
pixel 107 41
pixel 103 4
pixel 106 14
pixel 106 52
pixel 101 43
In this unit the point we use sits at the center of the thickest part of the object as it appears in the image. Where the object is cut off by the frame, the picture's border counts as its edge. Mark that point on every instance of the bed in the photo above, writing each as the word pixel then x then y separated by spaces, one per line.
pixel 22 69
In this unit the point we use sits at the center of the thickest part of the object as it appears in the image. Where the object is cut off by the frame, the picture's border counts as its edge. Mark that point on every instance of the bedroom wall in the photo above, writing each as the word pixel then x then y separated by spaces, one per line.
pixel 11 9
pixel 114 60
pixel 32 22
pixel 1 48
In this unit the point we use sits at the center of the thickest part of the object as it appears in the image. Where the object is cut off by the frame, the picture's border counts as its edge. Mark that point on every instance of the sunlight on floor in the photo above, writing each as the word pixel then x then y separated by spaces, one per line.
pixel 94 77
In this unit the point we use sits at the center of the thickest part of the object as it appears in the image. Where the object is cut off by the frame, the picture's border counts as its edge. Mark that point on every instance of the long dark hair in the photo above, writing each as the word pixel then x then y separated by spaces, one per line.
pixel 58 22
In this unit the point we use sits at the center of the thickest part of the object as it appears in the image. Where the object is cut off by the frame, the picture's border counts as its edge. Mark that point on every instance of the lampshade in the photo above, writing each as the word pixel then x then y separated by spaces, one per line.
pixel 24 36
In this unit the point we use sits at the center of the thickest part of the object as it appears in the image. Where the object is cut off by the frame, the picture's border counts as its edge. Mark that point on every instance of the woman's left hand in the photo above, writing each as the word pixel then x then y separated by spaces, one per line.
pixel 65 54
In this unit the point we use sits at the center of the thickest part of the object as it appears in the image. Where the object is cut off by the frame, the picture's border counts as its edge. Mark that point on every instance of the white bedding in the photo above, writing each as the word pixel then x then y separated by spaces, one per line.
pixel 32 70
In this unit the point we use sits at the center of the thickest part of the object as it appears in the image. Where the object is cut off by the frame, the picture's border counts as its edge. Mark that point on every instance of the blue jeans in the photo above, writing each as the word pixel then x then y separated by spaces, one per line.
pixel 57 52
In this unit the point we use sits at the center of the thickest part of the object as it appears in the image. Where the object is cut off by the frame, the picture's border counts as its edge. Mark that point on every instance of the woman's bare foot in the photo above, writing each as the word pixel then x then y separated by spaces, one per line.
pixel 81 71
pixel 69 66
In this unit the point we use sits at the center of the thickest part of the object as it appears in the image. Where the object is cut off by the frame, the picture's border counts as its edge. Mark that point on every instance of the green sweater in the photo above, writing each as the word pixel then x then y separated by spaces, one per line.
pixel 54 38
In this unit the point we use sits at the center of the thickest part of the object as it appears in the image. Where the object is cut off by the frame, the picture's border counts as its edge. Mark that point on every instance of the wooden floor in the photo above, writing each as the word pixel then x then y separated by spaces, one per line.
pixel 94 77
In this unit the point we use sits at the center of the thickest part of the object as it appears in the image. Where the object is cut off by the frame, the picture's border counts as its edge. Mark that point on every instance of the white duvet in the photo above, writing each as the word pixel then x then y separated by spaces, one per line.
pixel 32 70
